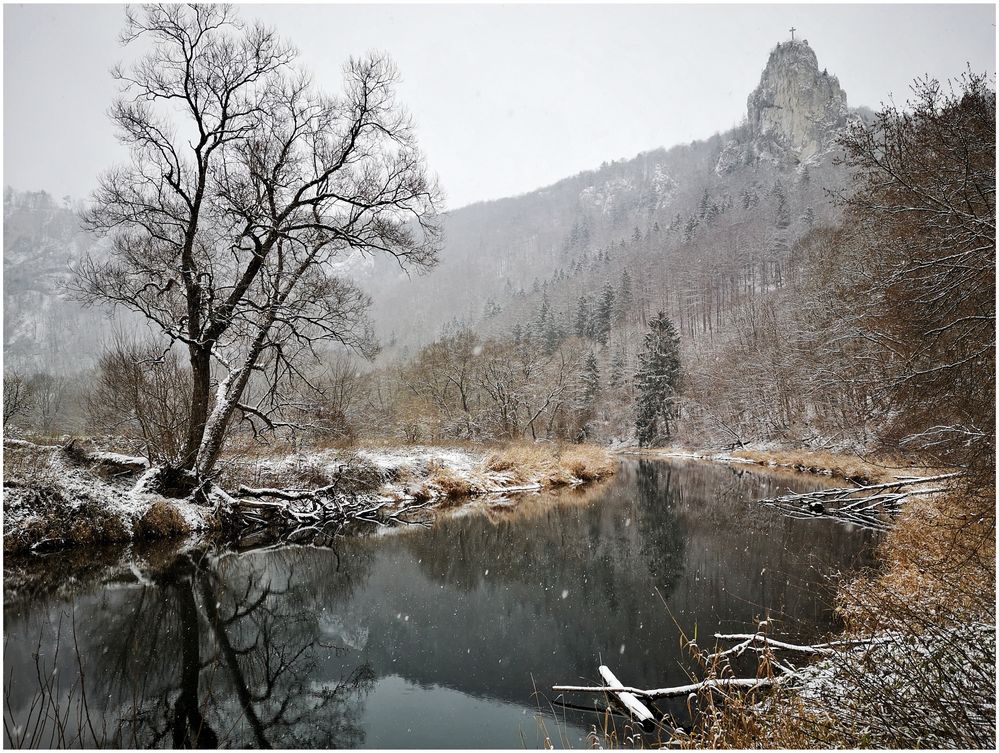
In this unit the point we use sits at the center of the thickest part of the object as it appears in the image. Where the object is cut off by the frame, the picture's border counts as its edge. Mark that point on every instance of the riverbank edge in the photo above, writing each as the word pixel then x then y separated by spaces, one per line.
pixel 839 465
pixel 59 497
pixel 915 564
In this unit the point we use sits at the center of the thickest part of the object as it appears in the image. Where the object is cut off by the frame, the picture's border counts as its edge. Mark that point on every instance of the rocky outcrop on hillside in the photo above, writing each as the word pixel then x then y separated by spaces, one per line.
pixel 793 116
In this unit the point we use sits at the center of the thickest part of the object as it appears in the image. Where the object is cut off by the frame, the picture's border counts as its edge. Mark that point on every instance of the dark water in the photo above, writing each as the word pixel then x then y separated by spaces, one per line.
pixel 433 637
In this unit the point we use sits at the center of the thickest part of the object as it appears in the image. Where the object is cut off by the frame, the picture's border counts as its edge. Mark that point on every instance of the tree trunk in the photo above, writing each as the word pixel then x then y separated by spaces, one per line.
pixel 230 390
pixel 201 385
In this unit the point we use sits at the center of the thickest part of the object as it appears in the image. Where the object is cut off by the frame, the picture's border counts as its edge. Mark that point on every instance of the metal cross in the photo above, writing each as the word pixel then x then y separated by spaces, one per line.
pixel 792 33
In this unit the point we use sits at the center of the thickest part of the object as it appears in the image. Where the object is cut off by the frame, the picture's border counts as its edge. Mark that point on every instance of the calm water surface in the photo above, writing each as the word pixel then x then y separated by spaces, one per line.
pixel 444 637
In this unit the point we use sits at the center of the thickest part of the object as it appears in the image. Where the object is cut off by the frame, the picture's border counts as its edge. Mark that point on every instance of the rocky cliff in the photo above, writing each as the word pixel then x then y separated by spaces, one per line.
pixel 795 102
pixel 795 113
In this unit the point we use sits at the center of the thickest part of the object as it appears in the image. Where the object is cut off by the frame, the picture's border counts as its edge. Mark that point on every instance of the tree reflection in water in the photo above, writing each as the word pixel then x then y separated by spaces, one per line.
pixel 210 652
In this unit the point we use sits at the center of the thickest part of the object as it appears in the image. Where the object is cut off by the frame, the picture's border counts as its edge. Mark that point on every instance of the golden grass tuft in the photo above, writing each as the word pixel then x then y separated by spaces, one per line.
pixel 161 521
pixel 588 462
pixel 521 462
pixel 551 465
pixel 447 482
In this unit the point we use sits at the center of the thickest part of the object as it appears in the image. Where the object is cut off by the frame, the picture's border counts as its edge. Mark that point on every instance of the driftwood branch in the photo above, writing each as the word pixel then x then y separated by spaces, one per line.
pixel 760 642
pixel 675 692
pixel 861 505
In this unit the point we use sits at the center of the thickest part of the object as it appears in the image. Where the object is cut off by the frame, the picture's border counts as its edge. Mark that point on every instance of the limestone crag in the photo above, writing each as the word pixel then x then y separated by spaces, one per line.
pixel 795 113
pixel 795 102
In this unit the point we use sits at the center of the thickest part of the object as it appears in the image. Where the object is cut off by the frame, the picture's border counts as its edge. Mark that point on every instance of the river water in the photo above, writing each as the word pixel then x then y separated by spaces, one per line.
pixel 446 637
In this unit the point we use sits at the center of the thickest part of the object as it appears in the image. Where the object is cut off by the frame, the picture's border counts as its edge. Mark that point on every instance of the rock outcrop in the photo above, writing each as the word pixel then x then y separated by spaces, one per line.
pixel 795 103
pixel 794 114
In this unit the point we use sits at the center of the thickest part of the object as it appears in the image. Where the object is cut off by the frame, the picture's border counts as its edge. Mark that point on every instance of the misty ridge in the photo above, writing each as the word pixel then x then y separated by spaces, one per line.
pixel 265 333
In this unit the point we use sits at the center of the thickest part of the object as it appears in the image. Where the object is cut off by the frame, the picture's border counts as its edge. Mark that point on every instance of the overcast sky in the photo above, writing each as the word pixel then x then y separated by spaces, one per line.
pixel 506 98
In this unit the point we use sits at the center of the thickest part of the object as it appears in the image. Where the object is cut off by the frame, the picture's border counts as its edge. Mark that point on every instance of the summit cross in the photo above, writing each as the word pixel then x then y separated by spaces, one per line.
pixel 792 33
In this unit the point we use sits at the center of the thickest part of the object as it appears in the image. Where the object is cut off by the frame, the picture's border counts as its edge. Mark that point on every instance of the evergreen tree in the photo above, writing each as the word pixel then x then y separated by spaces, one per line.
pixel 704 206
pixel 590 380
pixel 551 336
pixel 583 317
pixel 658 382
pixel 616 377
pixel 624 299
pixel 689 228
pixel 603 314
pixel 782 209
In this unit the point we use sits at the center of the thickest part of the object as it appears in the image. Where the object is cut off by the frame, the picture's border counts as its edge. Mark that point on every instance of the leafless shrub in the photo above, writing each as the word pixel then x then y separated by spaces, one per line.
pixel 141 393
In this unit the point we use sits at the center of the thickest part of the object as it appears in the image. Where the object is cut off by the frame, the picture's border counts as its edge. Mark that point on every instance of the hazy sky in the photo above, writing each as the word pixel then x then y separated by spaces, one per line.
pixel 506 98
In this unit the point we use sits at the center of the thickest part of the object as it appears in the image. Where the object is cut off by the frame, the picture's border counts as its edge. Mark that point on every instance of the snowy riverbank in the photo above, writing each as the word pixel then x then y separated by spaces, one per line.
pixel 61 496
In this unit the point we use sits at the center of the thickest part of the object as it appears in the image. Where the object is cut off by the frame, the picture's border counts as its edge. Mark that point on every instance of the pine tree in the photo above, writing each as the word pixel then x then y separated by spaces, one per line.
pixel 604 312
pixel 658 382
pixel 616 376
pixel 582 317
pixel 689 229
pixel 590 380
pixel 551 336
pixel 624 299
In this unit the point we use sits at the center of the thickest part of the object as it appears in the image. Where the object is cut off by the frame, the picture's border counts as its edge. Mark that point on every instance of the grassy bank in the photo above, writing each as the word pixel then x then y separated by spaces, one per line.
pixel 838 465
pixel 57 497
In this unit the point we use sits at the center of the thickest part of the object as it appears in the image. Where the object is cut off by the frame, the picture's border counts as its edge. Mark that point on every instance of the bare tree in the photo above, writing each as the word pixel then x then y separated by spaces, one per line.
pixel 228 226
pixel 49 392
pixel 924 210
pixel 17 396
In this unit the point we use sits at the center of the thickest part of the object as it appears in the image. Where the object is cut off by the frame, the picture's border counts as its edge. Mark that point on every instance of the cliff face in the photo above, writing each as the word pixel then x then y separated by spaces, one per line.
pixel 796 104
pixel 795 113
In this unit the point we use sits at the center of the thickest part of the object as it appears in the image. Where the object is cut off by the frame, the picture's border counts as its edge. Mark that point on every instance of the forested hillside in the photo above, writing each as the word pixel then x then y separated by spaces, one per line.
pixel 42 238
pixel 725 236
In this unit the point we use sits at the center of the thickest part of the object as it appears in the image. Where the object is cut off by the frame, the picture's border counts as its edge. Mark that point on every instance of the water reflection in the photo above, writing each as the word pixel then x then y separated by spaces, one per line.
pixel 421 638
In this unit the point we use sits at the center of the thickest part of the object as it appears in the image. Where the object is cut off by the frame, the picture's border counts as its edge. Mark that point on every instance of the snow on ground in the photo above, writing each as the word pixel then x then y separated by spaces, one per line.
pixel 391 473
pixel 908 688
pixel 51 495
pixel 60 496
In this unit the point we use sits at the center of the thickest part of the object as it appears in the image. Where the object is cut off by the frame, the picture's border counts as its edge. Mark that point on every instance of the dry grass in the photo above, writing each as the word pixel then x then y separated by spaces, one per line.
pixel 841 465
pixel 161 521
pixel 551 465
pixel 447 483
pixel 521 462
pixel 588 462
pixel 939 560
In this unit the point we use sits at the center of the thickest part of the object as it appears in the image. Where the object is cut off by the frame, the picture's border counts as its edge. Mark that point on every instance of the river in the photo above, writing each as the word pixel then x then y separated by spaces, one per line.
pixel 447 637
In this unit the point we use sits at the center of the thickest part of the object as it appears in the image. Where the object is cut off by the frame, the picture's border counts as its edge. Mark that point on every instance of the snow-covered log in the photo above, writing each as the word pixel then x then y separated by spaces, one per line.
pixel 674 692
pixel 861 505
pixel 638 710
pixel 760 642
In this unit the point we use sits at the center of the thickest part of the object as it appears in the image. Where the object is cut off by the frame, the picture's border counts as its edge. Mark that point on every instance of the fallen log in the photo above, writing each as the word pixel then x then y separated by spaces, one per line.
pixel 638 710
pixel 676 692
pixel 747 641
pixel 859 504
